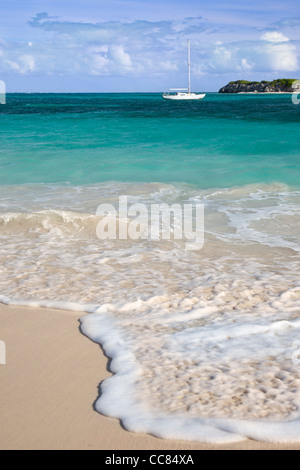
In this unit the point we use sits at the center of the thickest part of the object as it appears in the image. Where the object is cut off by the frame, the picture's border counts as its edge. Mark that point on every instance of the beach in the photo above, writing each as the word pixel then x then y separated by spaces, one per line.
pixel 149 247
pixel 50 383
pixel 193 293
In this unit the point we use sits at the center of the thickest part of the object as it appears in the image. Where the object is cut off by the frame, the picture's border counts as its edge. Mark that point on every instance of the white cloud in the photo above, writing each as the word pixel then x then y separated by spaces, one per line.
pixel 274 36
pixel 255 56
pixel 245 65
pixel 26 63
pixel 167 66
pixel 279 54
pixel 118 55
pixel 224 53
pixel 282 57
pixel 11 65
pixel 146 48
pixel 22 64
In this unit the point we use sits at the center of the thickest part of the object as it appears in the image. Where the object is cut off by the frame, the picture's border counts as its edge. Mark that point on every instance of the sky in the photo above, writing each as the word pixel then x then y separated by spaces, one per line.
pixel 141 45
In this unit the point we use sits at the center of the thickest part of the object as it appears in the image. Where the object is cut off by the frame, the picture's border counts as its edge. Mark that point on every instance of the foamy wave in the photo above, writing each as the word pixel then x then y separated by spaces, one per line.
pixel 123 397
pixel 203 343
pixel 56 223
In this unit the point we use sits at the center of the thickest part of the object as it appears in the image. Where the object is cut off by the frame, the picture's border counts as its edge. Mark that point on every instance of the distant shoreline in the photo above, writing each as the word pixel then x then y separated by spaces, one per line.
pixel 263 93
pixel 281 85
pixel 151 93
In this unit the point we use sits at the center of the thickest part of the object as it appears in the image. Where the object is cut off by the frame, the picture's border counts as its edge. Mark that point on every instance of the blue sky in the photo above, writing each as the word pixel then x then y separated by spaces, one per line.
pixel 140 45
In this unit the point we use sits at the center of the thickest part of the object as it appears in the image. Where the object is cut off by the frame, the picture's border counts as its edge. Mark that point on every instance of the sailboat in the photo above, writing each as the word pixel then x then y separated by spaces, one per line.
pixel 184 93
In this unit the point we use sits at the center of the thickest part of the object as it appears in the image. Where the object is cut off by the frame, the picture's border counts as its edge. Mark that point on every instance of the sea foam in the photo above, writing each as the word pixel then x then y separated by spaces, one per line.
pixel 203 344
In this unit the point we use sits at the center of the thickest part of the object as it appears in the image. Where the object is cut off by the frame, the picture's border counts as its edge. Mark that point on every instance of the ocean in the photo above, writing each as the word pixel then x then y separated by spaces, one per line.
pixel 204 342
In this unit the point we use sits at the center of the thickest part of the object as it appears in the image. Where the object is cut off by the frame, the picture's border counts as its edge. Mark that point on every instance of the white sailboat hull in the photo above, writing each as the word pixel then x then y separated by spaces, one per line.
pixel 184 96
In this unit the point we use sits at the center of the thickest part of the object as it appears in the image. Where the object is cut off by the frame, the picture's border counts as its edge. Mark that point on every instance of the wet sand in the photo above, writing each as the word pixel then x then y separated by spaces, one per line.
pixel 49 385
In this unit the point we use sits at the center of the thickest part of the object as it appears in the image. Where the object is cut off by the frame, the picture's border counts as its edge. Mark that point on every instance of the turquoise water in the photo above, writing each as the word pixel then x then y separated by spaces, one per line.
pixel 205 342
pixel 221 141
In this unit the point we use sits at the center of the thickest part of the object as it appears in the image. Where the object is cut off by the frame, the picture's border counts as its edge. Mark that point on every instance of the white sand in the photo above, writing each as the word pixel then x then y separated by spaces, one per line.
pixel 50 383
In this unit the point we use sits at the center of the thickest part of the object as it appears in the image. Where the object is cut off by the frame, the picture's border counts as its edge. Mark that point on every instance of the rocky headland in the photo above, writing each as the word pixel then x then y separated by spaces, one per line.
pixel 282 85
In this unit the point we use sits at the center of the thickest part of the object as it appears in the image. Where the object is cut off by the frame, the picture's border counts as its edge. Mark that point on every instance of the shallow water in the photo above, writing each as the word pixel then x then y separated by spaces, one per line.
pixel 204 342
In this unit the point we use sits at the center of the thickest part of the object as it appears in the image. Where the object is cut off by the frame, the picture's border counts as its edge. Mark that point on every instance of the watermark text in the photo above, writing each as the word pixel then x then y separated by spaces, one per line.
pixel 2 92
pixel 296 93
pixel 155 222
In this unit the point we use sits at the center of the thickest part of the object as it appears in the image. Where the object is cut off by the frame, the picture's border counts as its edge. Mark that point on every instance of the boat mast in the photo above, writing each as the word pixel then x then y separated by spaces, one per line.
pixel 189 64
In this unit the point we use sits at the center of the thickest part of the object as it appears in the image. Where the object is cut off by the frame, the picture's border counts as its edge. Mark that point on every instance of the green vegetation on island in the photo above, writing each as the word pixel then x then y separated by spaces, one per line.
pixel 281 85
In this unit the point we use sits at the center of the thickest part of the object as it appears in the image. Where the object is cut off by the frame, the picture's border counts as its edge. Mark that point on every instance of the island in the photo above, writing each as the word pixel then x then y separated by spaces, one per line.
pixel 282 85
